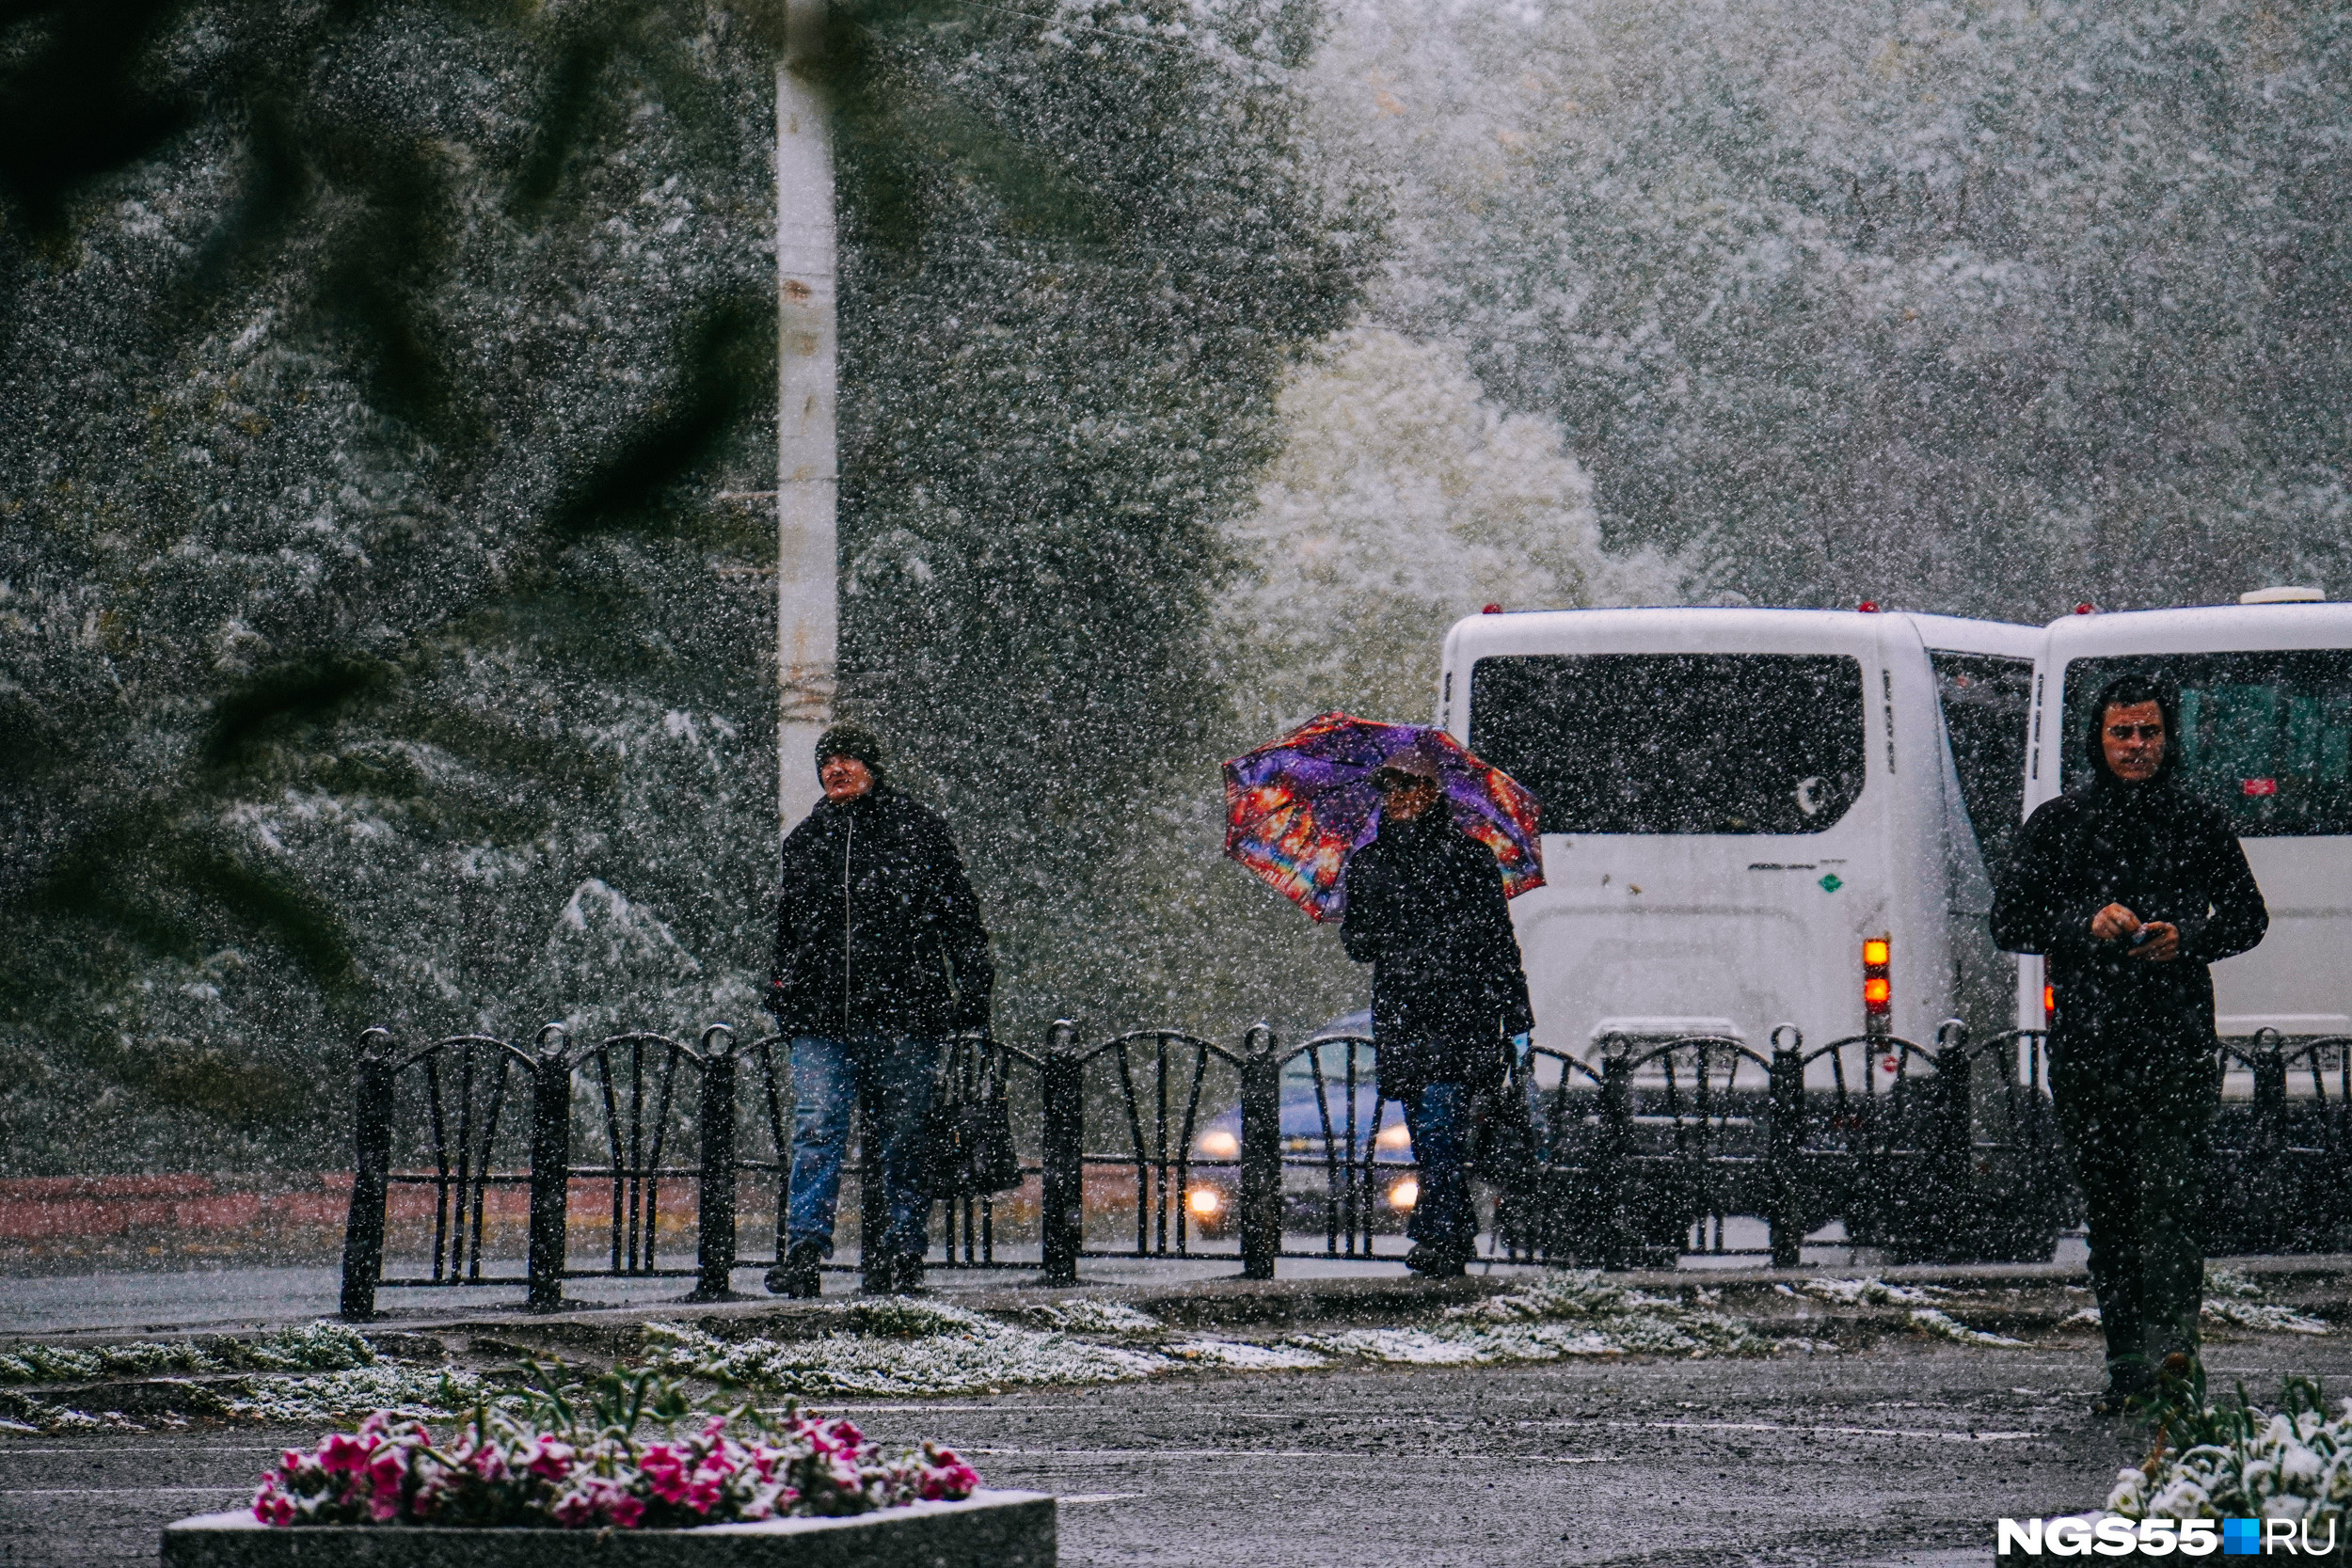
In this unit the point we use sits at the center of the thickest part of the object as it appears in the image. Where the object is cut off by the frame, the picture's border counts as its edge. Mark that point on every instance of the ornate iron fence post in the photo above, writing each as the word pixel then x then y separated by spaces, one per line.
pixel 1062 1087
pixel 1612 1165
pixel 371 1178
pixel 714 1217
pixel 550 1165
pixel 1784 1183
pixel 1261 1154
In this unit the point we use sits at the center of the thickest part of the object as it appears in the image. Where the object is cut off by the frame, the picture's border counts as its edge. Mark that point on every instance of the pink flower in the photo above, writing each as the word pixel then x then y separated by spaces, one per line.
pixel 664 1471
pixel 626 1511
pixel 273 1506
pixel 549 1458
pixel 343 1452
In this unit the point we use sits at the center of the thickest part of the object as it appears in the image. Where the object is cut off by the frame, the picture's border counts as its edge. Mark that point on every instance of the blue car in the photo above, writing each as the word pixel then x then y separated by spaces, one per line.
pixel 1352 1178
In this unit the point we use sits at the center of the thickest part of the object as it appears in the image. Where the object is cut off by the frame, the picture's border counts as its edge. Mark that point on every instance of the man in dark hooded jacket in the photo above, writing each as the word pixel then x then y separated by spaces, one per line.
pixel 880 956
pixel 1425 908
pixel 2130 888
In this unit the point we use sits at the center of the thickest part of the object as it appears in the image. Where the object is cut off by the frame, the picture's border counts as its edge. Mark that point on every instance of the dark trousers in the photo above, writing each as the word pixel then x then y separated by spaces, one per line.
pixel 1444 1216
pixel 2140 1138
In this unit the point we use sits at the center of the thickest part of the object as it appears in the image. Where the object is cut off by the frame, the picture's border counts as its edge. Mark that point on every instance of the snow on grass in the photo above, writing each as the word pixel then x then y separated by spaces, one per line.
pixel 2235 1300
pixel 1929 1321
pixel 1241 1357
pixel 407 1392
pixel 1081 1316
pixel 314 1347
pixel 1867 1293
pixel 1553 1315
pixel 955 1351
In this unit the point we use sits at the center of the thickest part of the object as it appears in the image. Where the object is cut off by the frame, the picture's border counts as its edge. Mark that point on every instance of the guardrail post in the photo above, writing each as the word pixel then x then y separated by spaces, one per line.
pixel 1787 1137
pixel 1613 1173
pixel 1951 1163
pixel 371 1178
pixel 714 1247
pixel 1261 1154
pixel 550 1165
pixel 1063 1088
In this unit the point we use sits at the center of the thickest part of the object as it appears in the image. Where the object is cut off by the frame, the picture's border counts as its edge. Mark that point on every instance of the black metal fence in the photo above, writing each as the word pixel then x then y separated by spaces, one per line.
pixel 1162 1144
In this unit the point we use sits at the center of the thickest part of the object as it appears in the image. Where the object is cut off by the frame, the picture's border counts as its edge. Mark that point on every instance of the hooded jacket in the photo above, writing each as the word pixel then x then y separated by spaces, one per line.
pixel 877 927
pixel 1425 909
pixel 2161 853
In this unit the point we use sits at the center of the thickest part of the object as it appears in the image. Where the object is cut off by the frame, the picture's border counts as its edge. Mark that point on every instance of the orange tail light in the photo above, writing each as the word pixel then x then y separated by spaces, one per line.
pixel 1878 986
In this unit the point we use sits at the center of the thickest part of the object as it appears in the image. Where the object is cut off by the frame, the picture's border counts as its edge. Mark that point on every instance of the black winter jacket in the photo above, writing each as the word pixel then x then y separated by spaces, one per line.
pixel 1425 909
pixel 877 927
pixel 2164 855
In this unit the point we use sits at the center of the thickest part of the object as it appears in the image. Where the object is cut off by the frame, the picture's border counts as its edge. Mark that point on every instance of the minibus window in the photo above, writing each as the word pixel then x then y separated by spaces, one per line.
pixel 2267 737
pixel 1986 698
pixel 1674 743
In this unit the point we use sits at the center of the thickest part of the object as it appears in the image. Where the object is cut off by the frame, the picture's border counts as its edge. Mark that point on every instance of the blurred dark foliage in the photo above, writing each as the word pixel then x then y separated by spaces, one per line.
pixel 382 645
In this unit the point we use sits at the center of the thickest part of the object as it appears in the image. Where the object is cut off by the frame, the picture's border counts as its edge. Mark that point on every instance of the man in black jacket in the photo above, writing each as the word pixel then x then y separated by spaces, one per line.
pixel 880 954
pixel 2130 888
pixel 1425 908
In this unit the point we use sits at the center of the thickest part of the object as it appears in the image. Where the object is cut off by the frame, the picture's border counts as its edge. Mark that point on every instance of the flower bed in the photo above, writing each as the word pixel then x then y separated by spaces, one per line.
pixel 580 1457
pixel 550 1466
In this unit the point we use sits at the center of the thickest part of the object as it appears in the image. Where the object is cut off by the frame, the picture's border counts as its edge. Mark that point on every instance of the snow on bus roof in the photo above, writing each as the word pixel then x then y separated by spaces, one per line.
pixel 2203 628
pixel 1727 629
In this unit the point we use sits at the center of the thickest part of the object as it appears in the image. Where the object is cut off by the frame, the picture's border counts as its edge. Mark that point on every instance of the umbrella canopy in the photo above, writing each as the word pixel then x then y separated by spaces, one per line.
pixel 1297 807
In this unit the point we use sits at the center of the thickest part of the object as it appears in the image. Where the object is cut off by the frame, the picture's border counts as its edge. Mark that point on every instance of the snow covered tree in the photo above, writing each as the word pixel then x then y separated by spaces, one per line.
pixel 1402 500
pixel 1979 306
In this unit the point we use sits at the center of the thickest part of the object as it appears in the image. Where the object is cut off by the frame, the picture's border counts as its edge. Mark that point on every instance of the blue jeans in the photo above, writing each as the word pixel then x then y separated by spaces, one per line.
pixel 1443 1218
pixel 828 1076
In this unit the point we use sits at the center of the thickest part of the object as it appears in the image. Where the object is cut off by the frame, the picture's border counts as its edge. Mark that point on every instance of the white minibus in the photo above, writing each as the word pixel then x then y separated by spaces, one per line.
pixel 1754 816
pixel 2265 718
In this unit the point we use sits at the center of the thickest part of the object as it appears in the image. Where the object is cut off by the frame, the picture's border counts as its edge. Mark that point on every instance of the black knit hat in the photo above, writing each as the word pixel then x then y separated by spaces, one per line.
pixel 854 741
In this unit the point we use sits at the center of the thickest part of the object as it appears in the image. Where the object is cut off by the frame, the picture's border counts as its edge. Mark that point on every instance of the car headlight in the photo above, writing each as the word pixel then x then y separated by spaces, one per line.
pixel 1404 1193
pixel 1205 1201
pixel 1220 1145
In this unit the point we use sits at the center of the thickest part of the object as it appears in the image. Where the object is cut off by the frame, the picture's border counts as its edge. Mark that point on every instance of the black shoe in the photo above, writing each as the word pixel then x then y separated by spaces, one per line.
pixel 2129 1384
pixel 895 1273
pixel 1435 1262
pixel 798 1275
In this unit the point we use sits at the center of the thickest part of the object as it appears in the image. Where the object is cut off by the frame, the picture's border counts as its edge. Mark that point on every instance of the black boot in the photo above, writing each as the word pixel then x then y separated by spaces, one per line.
pixel 898 1274
pixel 798 1275
pixel 2130 1382
pixel 1434 1262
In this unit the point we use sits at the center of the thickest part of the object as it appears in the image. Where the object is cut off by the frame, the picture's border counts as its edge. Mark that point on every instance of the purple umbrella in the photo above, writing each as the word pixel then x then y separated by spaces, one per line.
pixel 1297 807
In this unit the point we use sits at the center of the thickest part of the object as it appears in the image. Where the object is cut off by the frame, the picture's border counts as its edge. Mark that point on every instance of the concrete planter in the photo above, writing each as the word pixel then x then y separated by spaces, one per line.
pixel 988 1530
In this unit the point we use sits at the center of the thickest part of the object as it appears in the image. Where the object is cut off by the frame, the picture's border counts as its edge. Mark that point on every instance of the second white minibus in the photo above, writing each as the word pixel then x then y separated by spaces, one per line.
pixel 2266 718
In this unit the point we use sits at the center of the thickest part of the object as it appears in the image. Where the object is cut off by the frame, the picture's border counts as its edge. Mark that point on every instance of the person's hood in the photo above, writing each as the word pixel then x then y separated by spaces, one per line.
pixel 2167 702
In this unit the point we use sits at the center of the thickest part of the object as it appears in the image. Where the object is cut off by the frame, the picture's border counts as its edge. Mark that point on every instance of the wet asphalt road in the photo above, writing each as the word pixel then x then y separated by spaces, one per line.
pixel 1905 1452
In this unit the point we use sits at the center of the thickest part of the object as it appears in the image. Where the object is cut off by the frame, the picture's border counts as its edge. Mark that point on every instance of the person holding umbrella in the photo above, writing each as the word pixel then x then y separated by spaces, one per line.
pixel 1424 906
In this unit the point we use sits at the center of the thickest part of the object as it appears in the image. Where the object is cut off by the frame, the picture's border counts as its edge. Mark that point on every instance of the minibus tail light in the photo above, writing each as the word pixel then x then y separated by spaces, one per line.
pixel 2049 1003
pixel 1878 986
